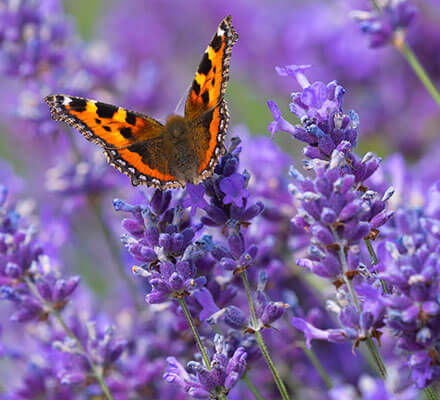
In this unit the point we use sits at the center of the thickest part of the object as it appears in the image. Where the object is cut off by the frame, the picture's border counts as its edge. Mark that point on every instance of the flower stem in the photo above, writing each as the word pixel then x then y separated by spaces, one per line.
pixel 376 6
pixel 377 358
pixel 373 256
pixel 259 338
pixel 430 393
pixel 195 332
pixel 418 69
pixel 113 247
pixel 96 372
pixel 252 387
pixel 370 344
pixel 374 261
pixel 317 364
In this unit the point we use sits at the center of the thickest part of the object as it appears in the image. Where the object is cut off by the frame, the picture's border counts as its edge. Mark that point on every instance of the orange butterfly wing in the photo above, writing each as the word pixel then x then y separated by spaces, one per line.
pixel 133 142
pixel 205 102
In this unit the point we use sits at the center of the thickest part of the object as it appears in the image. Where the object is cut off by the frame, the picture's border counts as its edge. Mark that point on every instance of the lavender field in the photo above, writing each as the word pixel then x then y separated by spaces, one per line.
pixel 307 267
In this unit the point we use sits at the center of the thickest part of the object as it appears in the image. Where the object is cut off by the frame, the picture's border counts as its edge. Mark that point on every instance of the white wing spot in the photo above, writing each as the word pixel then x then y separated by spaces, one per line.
pixel 66 100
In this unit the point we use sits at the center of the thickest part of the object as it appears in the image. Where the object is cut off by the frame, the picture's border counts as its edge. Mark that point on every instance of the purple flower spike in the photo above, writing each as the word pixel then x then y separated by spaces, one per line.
pixel 410 266
pixel 159 235
pixel 385 25
pixel 199 382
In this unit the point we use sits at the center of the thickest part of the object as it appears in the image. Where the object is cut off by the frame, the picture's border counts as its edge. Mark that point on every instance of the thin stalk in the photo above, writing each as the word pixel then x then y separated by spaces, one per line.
pixel 374 261
pixel 254 390
pixel 317 364
pixel 376 6
pixel 96 372
pixel 371 251
pixel 430 393
pixel 114 247
pixel 259 338
pixel 418 69
pixel 195 332
pixel 370 344
pixel 377 358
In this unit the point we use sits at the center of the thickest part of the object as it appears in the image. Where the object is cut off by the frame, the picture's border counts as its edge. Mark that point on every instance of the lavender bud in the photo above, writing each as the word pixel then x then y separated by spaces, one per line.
pixel 272 312
pixel 235 318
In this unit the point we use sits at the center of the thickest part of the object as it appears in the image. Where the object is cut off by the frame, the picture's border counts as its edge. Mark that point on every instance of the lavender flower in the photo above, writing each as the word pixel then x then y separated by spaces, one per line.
pixel 371 389
pixel 336 208
pixel 409 262
pixel 203 383
pixel 26 276
pixel 163 239
pixel 267 311
pixel 319 107
pixel 100 347
pixel 388 22
pixel 89 177
pixel 33 36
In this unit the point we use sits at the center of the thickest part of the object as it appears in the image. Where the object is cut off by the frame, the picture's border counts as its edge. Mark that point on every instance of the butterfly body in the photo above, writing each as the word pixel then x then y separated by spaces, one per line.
pixel 185 149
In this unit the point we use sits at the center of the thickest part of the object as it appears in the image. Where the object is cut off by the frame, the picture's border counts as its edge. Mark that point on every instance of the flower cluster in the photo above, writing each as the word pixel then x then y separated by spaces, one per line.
pixel 409 262
pixel 202 382
pixel 267 311
pixel 163 239
pixel 33 37
pixel 371 389
pixel 26 276
pixel 336 208
pixel 387 22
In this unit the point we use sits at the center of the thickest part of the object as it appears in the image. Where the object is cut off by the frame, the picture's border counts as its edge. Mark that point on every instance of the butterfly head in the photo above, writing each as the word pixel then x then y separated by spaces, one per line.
pixel 176 127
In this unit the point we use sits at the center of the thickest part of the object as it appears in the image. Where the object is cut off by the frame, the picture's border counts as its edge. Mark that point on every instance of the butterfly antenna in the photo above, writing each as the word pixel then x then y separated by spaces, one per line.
pixel 179 110
pixel 200 118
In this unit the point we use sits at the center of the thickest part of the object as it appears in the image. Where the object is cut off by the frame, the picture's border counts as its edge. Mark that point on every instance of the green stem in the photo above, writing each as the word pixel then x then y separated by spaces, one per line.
pixel 254 390
pixel 430 393
pixel 196 335
pixel 317 364
pixel 377 357
pixel 195 332
pixel 418 69
pixel 370 344
pixel 374 261
pixel 113 247
pixel 96 372
pixel 259 338
pixel 376 6
pixel 371 251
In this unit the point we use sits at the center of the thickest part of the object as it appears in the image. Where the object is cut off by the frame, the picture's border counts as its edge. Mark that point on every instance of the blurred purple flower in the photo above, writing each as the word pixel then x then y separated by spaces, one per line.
pixel 201 383
pixel 409 263
pixel 382 26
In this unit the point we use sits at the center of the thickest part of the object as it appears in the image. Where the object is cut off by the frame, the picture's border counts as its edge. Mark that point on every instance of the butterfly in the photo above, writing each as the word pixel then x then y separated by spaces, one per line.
pixel 186 149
